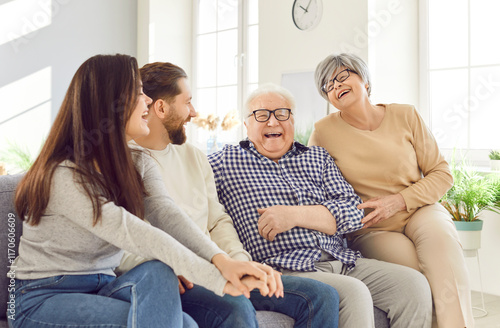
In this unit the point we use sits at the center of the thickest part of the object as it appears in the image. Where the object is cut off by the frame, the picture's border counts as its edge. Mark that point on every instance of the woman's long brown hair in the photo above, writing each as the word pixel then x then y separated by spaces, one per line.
pixel 89 131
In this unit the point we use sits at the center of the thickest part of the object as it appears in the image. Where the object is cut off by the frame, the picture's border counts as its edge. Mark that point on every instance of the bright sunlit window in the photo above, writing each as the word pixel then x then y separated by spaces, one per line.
pixel 25 120
pixel 226 64
pixel 461 74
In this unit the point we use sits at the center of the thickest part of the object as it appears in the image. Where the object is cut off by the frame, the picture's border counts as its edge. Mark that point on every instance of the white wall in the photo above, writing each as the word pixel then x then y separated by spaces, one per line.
pixel 283 48
pixel 394 51
pixel 54 37
pixel 165 32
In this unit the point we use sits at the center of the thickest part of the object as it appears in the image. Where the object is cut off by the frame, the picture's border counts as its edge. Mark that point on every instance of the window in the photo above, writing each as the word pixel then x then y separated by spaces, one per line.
pixel 225 62
pixel 461 74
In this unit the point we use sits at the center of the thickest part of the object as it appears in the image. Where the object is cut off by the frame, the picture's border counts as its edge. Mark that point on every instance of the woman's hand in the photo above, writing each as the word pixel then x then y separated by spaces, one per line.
pixel 236 272
pixel 383 208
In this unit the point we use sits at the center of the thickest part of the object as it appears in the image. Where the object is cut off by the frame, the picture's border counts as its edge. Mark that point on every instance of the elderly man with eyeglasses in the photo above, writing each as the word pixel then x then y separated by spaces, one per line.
pixel 291 207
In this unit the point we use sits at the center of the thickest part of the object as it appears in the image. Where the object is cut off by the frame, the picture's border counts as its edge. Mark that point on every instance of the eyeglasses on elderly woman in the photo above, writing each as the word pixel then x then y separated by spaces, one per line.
pixel 263 115
pixel 340 77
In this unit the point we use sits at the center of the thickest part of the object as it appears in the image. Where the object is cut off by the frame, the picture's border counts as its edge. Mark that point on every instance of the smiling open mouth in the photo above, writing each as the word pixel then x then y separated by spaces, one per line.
pixel 343 93
pixel 272 135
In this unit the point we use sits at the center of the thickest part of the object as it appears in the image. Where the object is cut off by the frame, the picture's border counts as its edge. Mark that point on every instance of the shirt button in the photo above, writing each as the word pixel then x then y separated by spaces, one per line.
pixel 282 166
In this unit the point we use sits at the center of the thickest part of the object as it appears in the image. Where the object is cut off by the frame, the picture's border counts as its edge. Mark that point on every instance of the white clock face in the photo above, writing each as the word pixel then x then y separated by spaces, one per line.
pixel 307 13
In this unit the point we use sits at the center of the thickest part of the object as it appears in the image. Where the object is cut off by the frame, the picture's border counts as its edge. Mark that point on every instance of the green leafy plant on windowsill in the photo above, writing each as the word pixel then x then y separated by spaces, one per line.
pixel 16 157
pixel 471 193
pixel 494 155
pixel 494 160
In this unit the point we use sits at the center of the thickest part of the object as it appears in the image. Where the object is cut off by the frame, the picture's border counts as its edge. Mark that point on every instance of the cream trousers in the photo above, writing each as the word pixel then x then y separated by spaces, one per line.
pixel 429 244
pixel 402 293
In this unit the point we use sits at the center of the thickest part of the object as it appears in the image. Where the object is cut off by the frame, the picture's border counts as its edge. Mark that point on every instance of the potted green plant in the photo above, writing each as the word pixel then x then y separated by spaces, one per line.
pixel 495 160
pixel 470 194
pixel 16 158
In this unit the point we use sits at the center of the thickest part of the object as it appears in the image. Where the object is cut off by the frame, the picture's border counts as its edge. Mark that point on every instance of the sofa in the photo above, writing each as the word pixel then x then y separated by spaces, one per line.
pixel 11 230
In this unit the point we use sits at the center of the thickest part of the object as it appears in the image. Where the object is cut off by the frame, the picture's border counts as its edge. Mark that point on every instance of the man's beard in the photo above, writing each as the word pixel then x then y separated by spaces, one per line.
pixel 175 128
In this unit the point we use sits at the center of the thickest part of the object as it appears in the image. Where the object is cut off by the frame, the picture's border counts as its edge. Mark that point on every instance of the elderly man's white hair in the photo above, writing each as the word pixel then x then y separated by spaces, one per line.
pixel 273 89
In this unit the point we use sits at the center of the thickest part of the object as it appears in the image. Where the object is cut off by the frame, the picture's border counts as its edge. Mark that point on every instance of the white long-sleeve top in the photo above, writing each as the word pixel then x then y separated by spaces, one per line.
pixel 66 243
pixel 190 182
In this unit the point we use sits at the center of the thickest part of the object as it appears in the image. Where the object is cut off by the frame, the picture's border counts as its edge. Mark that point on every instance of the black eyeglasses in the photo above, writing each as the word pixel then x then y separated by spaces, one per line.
pixel 263 115
pixel 340 77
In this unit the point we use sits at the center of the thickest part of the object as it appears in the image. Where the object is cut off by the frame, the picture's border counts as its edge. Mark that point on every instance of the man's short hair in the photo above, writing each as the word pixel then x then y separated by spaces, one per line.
pixel 160 80
pixel 274 89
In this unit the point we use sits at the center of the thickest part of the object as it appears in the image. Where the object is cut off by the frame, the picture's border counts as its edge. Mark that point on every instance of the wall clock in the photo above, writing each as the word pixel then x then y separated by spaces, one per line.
pixel 307 14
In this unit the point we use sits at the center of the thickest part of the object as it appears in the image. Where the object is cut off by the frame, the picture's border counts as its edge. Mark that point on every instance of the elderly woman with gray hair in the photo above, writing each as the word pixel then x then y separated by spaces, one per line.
pixel 387 153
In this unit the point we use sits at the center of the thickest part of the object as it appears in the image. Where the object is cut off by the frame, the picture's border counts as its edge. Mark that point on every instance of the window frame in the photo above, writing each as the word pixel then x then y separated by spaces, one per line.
pixel 242 84
pixel 477 157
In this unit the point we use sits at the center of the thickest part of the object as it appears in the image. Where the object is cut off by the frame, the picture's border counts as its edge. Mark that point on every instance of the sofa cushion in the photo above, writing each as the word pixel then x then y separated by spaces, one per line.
pixel 270 319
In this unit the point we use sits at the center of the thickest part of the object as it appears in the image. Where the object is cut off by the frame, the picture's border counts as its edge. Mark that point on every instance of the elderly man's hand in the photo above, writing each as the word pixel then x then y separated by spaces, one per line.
pixel 276 219
pixel 184 284
pixel 383 208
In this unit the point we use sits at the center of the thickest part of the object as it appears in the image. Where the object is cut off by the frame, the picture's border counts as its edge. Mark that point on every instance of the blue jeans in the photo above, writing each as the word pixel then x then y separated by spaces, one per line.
pixel 212 311
pixel 310 302
pixel 146 296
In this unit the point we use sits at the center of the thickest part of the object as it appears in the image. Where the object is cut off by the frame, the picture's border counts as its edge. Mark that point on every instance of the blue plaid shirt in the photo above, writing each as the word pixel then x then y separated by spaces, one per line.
pixel 247 181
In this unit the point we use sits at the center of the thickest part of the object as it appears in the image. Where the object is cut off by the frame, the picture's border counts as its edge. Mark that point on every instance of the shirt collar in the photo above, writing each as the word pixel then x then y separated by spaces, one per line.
pixel 297 149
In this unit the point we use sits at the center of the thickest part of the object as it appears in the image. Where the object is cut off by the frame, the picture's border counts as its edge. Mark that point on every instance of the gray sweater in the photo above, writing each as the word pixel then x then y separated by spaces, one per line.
pixel 66 243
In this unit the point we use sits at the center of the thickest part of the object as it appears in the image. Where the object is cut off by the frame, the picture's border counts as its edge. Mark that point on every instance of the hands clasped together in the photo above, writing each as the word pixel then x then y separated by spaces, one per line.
pixel 243 277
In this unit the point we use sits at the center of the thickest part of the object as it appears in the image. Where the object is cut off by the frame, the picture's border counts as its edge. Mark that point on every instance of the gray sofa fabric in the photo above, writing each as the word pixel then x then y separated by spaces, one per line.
pixel 11 230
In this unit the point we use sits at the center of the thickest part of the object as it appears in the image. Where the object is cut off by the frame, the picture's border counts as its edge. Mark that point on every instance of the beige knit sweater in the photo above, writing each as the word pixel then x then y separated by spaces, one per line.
pixel 400 156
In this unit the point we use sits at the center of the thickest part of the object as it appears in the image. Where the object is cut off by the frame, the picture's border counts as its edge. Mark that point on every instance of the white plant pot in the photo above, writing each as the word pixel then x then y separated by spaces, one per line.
pixel 469 234
pixel 495 164
pixel 470 239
